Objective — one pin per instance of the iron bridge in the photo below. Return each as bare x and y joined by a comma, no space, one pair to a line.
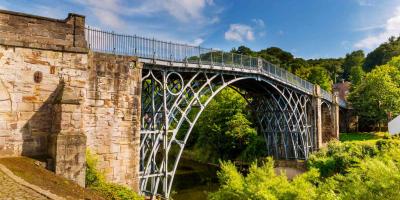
178,82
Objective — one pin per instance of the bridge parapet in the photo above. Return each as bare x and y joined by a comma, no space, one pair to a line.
152,49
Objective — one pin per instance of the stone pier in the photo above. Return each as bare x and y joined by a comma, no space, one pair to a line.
326,118
57,98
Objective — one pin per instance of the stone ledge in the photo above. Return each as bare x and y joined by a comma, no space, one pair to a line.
70,15
21,181
48,47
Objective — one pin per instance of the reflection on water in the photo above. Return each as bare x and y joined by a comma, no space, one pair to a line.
194,180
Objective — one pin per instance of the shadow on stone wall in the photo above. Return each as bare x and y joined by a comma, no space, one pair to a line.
39,127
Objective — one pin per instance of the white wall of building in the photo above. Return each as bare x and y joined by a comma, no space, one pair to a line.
394,126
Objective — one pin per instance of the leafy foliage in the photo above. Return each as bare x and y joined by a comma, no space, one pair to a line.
224,130
356,75
350,170
383,54
352,60
379,93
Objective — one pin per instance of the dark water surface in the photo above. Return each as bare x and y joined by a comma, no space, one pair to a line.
193,180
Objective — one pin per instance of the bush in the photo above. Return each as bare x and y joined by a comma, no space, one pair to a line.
350,170
96,181
262,183
339,157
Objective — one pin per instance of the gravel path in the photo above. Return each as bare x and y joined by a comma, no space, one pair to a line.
11,190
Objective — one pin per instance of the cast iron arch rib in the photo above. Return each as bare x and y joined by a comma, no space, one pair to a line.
168,103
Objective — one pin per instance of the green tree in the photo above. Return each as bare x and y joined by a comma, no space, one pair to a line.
356,75
276,56
352,60
383,54
243,50
333,67
319,75
224,130
298,64
379,93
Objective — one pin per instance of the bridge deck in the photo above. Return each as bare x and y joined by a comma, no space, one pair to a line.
152,51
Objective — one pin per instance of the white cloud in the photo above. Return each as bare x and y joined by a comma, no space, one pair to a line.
185,10
182,10
106,11
366,2
108,17
3,7
109,12
239,33
391,28
259,22
369,28
196,42
189,17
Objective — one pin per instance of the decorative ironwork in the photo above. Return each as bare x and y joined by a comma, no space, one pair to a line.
172,99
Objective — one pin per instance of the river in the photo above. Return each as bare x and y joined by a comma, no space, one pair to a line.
193,180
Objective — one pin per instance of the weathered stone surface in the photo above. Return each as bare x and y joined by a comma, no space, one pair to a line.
23,30
326,119
108,116
84,99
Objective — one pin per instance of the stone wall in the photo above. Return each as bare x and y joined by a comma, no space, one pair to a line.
26,111
327,123
326,118
111,115
24,30
57,98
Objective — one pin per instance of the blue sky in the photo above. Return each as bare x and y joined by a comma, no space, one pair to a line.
306,28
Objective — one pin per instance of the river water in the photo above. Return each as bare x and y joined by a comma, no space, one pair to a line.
193,180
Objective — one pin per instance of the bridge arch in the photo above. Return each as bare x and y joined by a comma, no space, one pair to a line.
327,120
171,98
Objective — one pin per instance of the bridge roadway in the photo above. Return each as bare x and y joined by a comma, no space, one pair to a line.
178,81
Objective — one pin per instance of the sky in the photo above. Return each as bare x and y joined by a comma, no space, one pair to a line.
306,28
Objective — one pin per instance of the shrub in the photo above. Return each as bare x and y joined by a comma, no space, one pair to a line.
93,177
262,183
96,181
350,170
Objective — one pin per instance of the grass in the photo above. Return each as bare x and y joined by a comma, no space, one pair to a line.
47,180
345,137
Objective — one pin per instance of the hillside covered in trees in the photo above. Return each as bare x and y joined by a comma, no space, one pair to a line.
227,131
327,71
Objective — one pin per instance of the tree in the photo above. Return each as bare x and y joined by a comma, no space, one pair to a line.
298,63
379,93
243,50
383,54
356,75
352,60
334,68
319,75
223,130
276,56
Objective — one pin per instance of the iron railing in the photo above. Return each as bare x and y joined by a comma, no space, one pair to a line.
110,42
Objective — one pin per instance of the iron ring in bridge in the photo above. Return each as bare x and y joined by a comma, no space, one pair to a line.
175,83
